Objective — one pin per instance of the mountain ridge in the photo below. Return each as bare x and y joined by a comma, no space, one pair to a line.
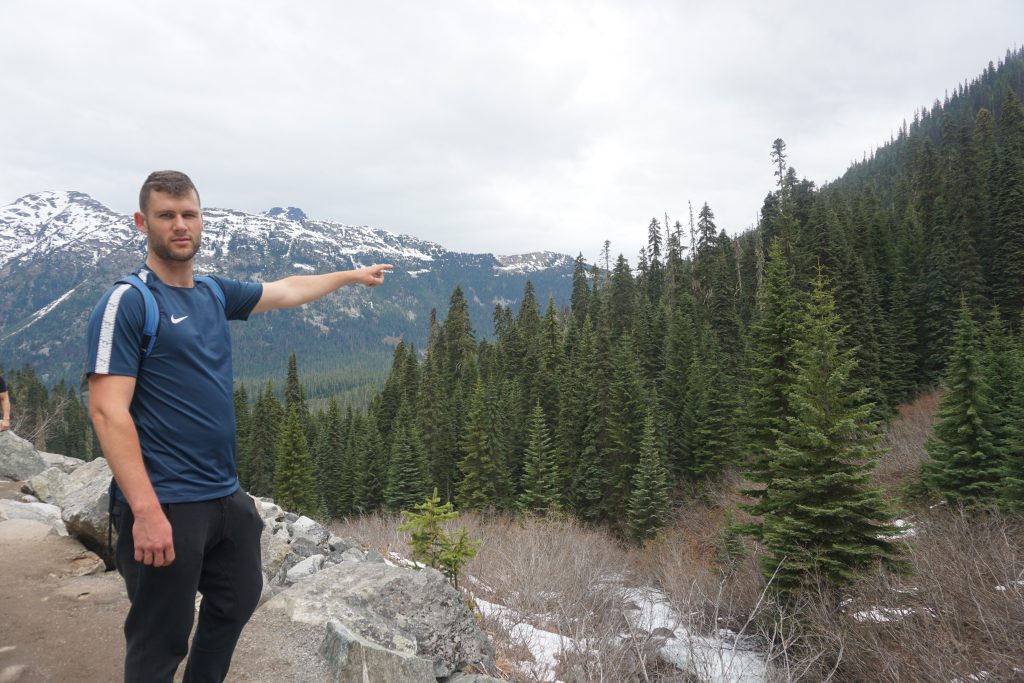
60,250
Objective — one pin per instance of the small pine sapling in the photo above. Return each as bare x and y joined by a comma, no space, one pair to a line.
434,546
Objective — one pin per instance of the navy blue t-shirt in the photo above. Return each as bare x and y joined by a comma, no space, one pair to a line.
182,407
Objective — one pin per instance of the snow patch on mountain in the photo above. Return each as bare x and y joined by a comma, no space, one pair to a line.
51,221
44,310
532,262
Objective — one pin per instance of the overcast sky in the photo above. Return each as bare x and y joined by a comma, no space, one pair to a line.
486,126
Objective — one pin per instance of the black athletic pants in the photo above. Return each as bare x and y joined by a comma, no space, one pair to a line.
217,552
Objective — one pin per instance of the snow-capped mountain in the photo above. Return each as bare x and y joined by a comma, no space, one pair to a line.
60,250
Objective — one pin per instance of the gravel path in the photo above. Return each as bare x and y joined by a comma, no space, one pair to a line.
59,627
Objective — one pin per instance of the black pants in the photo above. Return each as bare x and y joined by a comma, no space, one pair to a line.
217,552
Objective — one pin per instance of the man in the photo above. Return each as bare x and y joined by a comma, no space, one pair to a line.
166,424
5,404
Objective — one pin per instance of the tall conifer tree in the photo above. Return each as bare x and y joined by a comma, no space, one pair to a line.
649,502
243,425
541,486
485,482
267,417
294,487
822,518
406,475
965,465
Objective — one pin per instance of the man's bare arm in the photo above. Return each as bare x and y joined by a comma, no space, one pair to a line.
5,416
300,289
109,399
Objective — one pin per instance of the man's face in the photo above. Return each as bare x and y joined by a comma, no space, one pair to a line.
173,225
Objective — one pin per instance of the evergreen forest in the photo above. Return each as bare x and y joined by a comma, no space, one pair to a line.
778,353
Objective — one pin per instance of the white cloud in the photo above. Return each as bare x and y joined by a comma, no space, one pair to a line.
486,126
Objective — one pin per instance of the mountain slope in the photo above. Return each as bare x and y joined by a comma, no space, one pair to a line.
60,250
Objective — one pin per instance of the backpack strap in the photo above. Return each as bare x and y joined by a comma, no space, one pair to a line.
152,312
214,286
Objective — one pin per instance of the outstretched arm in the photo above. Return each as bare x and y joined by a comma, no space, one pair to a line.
300,289
109,399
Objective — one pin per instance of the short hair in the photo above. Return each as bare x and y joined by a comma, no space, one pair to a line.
174,183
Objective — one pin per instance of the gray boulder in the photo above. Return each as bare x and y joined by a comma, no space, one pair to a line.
269,511
62,462
273,549
86,507
394,623
19,460
38,512
310,530
303,547
50,486
306,568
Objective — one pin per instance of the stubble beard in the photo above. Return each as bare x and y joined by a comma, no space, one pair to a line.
164,252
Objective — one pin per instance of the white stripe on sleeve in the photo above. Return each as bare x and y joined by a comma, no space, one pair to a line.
106,342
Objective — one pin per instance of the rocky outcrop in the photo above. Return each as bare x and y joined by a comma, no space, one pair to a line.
18,459
394,623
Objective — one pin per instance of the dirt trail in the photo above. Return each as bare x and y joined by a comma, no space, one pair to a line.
56,627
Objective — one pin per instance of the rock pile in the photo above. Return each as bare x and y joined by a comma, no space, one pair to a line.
366,619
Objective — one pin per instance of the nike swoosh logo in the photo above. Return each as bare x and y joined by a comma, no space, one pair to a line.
175,320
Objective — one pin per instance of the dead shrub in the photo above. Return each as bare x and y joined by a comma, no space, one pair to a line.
957,614
904,442
378,530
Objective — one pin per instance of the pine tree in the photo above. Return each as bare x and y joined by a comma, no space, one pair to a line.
458,375
370,464
484,470
580,299
590,473
295,395
710,419
673,389
243,441
654,283
625,428
331,456
1009,215
772,367
391,394
407,476
435,427
541,486
550,379
294,487
965,465
575,403
267,416
622,299
823,521
649,503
